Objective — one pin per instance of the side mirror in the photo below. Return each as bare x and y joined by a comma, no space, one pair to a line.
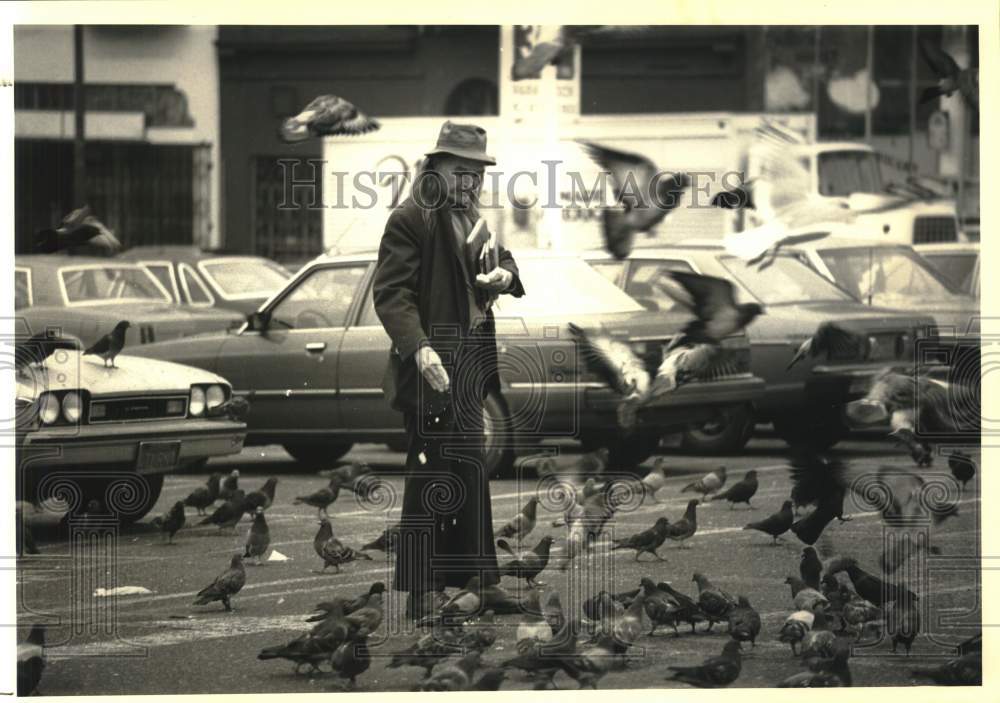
257,321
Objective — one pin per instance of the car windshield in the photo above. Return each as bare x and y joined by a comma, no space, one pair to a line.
887,276
112,283
787,280
245,278
558,285
958,267
844,172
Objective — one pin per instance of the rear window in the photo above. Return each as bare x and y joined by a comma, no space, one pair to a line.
95,285
245,278
887,276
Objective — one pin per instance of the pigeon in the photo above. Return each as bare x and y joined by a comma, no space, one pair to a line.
966,670
824,482
741,491
647,541
686,526
171,521
714,672
962,467
776,524
499,600
644,196
832,338
521,524
258,537
628,627
225,585
385,542
654,480
427,651
347,605
227,514
31,661
709,483
688,610
602,606
661,607
466,603
819,642
533,627
369,616
810,567
715,603
352,658
824,673
552,611
260,498
490,680
902,621
950,76
735,198
78,233
348,474
204,496
452,674
618,366
110,345
588,666
527,565
303,650
39,347
324,116
859,615
795,628
237,408
321,499
744,622
230,484
805,598
543,657
713,302
838,595
688,362
331,550
871,588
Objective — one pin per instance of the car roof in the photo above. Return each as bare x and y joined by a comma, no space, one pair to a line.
660,249
55,261
371,254
972,247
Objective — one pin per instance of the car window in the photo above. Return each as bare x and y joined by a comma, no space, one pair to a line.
321,299
96,285
197,291
786,280
245,278
611,270
162,274
557,286
369,317
22,289
886,276
958,268
647,279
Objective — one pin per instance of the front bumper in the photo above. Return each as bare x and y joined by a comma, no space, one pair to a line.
118,444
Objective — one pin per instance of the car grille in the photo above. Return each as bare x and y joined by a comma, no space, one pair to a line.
934,229
134,409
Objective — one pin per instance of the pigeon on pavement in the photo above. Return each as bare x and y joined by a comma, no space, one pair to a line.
714,672
352,658
227,514
744,622
688,609
225,586
660,606
655,479
966,670
810,567
823,673
805,598
819,642
870,587
709,483
776,524
385,542
261,498
902,621
321,499
230,484
204,496
962,467
171,521
326,115
466,603
110,345
685,527
527,565
521,524
647,541
795,628
452,674
741,491
331,550
715,603
258,537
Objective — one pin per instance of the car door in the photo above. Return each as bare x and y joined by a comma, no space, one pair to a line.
291,366
362,364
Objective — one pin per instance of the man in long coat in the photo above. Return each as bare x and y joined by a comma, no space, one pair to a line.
436,309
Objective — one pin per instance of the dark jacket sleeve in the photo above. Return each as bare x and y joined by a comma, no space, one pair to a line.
507,261
396,285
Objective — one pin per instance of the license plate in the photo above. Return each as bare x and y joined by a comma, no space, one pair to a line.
156,457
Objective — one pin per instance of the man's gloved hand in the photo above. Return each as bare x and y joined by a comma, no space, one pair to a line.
430,366
496,281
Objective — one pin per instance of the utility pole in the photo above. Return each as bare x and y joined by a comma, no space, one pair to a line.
79,112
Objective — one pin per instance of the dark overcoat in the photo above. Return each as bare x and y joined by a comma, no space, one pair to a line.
420,297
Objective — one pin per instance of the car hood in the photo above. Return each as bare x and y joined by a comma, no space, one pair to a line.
639,324
133,375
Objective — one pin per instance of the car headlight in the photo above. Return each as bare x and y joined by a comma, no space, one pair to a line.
72,407
214,396
196,406
49,408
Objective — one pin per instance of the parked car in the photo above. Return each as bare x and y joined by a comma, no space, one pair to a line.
95,425
315,355
893,276
956,261
206,279
804,402
86,297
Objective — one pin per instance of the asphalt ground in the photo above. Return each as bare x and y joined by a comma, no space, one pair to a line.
158,643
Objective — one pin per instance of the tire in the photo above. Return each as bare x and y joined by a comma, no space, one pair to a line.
499,456
818,431
728,433
317,454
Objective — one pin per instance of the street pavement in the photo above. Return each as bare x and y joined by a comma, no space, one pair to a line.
159,643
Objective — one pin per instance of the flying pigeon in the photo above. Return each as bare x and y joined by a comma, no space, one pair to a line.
644,195
326,115
79,233
225,586
950,76
713,302
962,467
832,338
110,345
